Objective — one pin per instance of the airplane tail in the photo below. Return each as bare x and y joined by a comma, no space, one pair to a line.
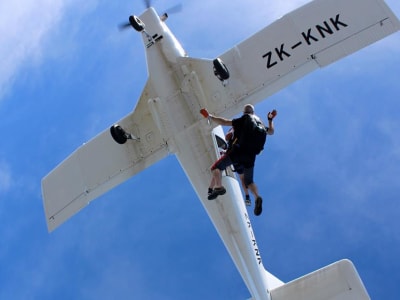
338,281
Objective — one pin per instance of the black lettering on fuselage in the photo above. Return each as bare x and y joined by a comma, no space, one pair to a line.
255,247
258,256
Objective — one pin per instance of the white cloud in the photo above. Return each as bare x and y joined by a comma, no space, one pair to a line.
23,27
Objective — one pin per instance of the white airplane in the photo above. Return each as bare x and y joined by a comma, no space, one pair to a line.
166,120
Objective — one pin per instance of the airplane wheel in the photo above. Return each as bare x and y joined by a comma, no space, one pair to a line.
220,70
136,23
118,134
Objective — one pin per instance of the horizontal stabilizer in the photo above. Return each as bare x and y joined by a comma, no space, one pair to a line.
338,281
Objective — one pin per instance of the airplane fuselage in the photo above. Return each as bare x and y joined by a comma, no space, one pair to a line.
176,111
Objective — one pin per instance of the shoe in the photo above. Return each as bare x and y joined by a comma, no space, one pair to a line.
247,201
258,206
216,192
210,191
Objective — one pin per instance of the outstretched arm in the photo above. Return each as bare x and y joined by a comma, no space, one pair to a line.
221,121
218,120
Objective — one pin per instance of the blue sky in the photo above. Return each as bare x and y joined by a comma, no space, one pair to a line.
329,175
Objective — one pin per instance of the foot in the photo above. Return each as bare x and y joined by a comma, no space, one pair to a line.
216,192
258,206
247,201
210,191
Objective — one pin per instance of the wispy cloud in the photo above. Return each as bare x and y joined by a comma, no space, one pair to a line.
23,26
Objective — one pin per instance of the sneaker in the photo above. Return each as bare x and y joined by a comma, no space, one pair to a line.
216,192
247,201
258,206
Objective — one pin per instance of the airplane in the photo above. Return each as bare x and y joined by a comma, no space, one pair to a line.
167,121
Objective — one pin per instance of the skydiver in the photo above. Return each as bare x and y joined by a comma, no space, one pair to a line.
238,154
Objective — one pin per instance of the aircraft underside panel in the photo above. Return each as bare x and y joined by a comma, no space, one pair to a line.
310,37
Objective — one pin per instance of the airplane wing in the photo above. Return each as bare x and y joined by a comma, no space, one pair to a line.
315,35
100,164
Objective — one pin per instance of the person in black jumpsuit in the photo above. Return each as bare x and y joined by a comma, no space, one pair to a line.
238,155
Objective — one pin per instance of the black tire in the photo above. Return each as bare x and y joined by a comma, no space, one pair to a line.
220,70
118,134
136,23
